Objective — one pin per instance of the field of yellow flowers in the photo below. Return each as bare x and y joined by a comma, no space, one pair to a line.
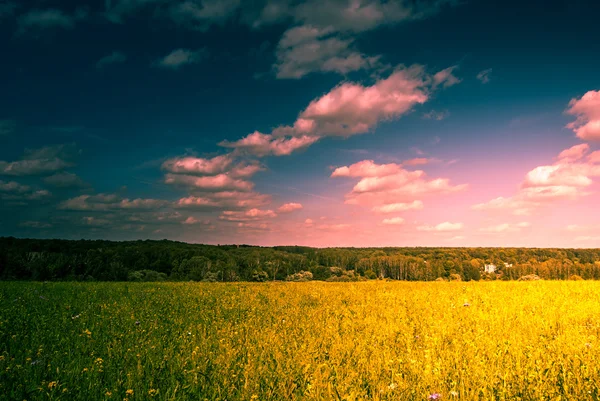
300,341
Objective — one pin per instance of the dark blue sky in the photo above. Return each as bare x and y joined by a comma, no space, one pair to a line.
99,102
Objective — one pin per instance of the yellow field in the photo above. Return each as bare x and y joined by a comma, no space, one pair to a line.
295,341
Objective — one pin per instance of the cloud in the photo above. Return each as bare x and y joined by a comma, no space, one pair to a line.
35,224
506,227
65,180
16,192
333,227
568,178
224,200
200,15
217,183
216,174
192,220
49,19
587,111
305,49
42,161
260,145
442,227
247,215
436,115
348,109
393,221
180,57
367,168
198,165
398,207
389,184
418,161
485,76
110,202
113,58
7,127
574,153
289,207
446,77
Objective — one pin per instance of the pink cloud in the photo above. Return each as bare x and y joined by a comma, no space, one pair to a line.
367,168
218,182
198,165
192,220
587,110
390,184
333,227
393,221
289,207
417,161
348,109
442,227
574,153
506,227
398,207
446,77
224,199
247,215
568,178
259,144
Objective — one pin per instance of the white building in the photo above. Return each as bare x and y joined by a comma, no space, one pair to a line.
489,268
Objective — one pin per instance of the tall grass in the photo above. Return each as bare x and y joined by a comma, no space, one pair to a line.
297,341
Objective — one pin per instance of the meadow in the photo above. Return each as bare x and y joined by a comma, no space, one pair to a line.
300,341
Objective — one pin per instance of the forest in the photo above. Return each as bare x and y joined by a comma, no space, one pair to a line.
146,260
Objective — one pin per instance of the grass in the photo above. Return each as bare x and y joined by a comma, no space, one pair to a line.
300,341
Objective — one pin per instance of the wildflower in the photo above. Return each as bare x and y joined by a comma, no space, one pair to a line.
129,392
1,357
152,392
254,397
108,393
74,317
137,322
99,361
392,386
434,396
454,393
51,385
86,331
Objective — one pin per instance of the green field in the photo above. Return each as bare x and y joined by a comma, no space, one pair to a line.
284,341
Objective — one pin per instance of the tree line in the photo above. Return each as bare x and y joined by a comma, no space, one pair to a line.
99,260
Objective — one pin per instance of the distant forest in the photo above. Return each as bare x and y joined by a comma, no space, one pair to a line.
85,260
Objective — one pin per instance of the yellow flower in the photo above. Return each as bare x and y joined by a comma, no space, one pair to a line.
129,392
152,392
108,393
86,331
51,385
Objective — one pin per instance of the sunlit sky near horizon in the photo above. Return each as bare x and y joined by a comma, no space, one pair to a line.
320,123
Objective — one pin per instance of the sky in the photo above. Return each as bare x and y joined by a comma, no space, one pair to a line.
319,123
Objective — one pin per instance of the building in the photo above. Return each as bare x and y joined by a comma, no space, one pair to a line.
489,268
